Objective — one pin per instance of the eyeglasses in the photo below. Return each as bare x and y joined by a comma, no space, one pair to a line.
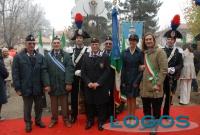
56,42
30,43
108,43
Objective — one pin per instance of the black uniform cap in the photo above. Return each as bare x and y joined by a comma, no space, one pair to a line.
30,38
94,40
108,38
56,38
133,37
81,33
173,34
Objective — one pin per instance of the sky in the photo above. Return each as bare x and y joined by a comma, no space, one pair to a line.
58,12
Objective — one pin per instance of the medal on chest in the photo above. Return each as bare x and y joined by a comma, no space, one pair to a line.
102,65
62,59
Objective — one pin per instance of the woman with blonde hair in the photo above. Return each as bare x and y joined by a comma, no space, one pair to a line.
155,70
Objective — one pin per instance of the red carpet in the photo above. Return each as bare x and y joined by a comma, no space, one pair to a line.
16,127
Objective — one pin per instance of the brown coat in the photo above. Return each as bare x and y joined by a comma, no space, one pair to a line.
158,58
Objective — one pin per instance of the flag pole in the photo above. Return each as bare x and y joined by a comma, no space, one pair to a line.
114,95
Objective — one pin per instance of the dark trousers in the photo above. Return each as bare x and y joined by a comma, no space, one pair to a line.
152,106
28,102
194,83
64,107
168,91
100,110
77,85
111,85
110,105
168,101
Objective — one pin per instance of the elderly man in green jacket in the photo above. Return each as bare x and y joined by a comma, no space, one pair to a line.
61,71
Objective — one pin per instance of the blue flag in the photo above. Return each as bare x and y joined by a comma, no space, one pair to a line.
116,62
115,54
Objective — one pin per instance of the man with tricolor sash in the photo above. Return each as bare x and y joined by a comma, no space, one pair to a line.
60,77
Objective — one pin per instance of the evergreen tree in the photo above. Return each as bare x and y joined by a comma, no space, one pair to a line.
143,10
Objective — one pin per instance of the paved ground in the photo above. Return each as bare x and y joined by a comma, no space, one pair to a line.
14,107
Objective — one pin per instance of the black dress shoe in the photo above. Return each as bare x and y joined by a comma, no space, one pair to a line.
89,125
120,108
154,130
40,124
28,128
100,127
67,123
52,124
152,133
73,119
182,104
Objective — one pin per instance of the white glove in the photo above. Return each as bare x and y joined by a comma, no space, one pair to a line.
78,73
171,70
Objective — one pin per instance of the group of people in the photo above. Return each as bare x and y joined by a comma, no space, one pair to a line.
150,72
154,73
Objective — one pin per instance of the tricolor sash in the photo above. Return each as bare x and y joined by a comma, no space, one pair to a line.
57,62
153,74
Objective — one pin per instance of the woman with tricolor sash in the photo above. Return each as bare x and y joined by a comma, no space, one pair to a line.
155,70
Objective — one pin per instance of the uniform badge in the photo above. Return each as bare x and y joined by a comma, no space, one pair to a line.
173,34
80,32
101,65
31,38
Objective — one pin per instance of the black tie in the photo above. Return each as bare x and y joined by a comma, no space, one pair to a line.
171,48
32,59
108,52
95,56
56,54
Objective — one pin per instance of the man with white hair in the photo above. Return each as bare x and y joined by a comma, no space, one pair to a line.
8,60
29,72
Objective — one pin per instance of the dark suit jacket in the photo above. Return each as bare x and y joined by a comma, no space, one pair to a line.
130,69
3,74
27,79
96,69
57,78
176,61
